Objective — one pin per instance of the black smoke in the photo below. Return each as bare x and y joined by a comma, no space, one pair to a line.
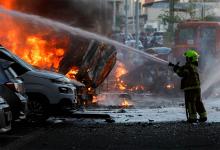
92,15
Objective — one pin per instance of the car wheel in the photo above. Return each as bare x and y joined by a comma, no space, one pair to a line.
37,110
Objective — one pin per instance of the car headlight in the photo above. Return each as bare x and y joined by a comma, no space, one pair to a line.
61,80
65,90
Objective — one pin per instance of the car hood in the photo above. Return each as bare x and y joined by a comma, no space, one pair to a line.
45,74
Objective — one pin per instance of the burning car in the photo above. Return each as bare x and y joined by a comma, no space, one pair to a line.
12,90
45,89
90,66
5,116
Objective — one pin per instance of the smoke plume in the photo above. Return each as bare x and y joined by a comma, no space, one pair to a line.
90,15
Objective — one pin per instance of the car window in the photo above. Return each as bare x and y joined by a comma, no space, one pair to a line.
186,34
13,73
20,66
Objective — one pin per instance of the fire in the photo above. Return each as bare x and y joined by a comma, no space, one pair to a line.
72,73
137,88
39,55
41,46
125,103
95,100
120,70
7,3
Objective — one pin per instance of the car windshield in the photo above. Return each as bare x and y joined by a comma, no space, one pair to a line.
19,60
186,34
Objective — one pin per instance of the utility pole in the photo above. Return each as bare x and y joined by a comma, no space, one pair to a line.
133,14
171,11
114,16
137,23
203,10
126,20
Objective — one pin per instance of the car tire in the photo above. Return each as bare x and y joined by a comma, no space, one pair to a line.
38,109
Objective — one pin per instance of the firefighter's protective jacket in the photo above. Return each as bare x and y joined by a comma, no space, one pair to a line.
190,76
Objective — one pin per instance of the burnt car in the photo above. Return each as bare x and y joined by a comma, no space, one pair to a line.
95,60
5,116
12,90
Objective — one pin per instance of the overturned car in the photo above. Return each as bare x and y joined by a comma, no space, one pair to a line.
94,62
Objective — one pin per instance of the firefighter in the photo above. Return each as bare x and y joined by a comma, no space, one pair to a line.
190,83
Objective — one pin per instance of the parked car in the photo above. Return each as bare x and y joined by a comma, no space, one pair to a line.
129,41
46,90
12,90
161,52
5,116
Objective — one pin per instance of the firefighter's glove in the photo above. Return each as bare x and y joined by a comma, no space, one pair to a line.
171,64
176,67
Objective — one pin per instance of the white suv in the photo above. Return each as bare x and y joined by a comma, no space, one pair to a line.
45,89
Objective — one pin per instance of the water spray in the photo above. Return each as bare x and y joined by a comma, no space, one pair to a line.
78,32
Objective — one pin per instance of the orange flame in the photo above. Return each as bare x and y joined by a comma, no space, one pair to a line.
125,103
95,99
120,70
72,73
39,45
7,3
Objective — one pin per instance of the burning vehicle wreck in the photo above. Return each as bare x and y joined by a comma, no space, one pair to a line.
91,66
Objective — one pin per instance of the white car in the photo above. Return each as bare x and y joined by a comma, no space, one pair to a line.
5,116
46,90
129,41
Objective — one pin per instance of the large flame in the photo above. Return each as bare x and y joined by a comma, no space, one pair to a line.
39,45
7,3
120,70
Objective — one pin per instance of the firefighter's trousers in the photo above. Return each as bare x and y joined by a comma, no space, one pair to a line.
194,104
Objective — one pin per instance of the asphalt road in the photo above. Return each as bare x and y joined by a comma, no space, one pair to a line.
81,135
